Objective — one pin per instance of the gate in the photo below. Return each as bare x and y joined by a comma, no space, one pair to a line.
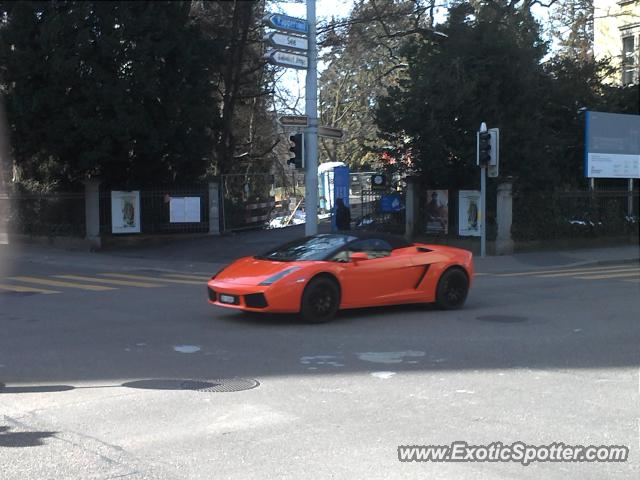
379,210
262,200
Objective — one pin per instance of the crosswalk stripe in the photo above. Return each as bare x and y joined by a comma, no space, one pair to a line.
156,279
201,278
21,288
126,283
577,274
562,270
58,283
613,275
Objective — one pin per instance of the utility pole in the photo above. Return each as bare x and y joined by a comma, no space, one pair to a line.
483,196
311,132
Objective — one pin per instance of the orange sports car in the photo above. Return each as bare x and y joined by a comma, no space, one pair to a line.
318,275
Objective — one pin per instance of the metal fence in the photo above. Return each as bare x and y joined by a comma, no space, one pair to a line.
369,211
155,209
56,214
574,214
247,200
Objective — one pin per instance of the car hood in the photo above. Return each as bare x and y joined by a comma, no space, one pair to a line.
252,271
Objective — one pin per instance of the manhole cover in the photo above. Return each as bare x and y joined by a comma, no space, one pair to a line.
217,385
502,318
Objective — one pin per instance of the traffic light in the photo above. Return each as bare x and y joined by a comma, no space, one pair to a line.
484,148
297,148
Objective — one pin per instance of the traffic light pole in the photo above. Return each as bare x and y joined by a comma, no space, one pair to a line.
482,161
311,133
483,211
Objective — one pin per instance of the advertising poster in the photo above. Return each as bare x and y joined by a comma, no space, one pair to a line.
437,212
469,213
125,212
184,210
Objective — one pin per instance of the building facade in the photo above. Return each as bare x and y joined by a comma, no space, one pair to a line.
616,36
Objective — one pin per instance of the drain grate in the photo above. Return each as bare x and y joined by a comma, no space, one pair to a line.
216,385
220,385
502,318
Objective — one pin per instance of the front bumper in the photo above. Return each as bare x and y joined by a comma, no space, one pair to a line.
254,298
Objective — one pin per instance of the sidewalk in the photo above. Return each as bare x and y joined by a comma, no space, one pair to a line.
558,258
207,254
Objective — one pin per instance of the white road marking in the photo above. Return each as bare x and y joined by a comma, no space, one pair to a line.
611,275
383,375
186,348
331,360
389,357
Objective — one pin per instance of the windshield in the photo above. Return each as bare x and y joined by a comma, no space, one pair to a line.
318,247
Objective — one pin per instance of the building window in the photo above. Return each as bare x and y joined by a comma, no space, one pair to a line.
629,61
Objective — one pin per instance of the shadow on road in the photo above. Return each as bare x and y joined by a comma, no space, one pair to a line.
10,439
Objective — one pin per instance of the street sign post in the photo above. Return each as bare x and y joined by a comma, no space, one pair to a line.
287,42
293,120
483,196
330,132
311,132
286,23
287,59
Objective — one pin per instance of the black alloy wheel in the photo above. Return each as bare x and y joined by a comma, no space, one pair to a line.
320,300
453,288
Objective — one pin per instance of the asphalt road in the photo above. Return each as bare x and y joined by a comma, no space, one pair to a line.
97,382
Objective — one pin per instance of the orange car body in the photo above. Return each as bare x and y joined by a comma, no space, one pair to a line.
407,275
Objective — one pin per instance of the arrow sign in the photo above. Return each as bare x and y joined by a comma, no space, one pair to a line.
286,59
330,132
286,23
290,42
294,120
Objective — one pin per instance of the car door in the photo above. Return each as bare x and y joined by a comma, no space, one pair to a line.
378,280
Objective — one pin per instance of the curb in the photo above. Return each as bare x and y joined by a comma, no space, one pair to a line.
585,263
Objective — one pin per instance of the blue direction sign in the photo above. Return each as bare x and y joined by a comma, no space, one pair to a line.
286,23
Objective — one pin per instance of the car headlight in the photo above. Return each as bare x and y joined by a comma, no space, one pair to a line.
278,276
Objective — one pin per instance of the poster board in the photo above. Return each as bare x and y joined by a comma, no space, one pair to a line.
469,213
437,212
184,210
125,211
612,145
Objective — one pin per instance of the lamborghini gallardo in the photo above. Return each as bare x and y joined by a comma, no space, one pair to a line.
318,275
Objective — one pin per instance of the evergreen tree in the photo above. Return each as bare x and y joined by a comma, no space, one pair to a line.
488,69
116,90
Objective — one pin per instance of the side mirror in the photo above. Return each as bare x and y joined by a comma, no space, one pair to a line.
359,256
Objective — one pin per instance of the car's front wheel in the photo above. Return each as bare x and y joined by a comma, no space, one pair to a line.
453,288
320,300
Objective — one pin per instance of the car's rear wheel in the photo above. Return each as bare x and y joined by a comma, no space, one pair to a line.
320,300
452,290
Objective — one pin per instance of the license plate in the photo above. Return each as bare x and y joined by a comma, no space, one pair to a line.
227,299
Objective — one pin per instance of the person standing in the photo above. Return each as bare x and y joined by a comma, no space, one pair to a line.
343,215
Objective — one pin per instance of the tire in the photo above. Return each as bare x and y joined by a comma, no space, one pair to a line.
452,290
320,300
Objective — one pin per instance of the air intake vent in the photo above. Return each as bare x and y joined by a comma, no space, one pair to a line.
255,300
212,295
